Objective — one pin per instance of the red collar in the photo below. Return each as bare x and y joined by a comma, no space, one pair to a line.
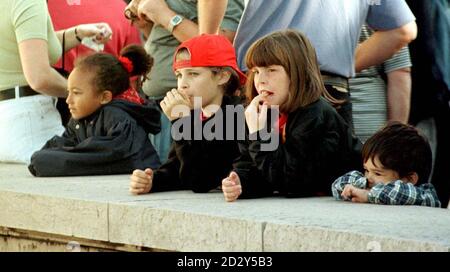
130,95
281,122
203,117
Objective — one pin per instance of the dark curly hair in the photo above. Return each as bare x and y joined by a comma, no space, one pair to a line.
110,74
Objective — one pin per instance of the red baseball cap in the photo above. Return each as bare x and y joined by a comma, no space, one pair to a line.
208,50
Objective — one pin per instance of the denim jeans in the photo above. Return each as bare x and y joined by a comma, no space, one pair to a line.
163,140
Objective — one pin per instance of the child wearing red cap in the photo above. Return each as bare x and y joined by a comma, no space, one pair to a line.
208,79
315,145
110,123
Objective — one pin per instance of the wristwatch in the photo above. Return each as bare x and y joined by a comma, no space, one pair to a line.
176,20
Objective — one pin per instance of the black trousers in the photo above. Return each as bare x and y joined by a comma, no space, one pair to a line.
441,173
345,109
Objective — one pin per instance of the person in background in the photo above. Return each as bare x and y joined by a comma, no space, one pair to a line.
381,93
430,97
66,14
333,28
27,80
144,26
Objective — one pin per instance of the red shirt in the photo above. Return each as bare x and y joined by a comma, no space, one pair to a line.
66,13
281,125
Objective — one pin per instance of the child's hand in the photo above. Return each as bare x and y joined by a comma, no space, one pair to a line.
175,98
256,114
231,187
354,194
141,181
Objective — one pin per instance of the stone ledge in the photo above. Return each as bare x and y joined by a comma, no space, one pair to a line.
101,209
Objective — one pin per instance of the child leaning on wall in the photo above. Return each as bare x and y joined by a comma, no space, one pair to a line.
206,71
397,164
314,143
109,125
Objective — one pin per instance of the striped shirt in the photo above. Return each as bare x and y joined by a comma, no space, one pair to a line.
393,193
368,91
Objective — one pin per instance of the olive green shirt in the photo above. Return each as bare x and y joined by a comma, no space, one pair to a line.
161,44
22,20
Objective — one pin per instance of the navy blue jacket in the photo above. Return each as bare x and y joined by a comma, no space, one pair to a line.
113,140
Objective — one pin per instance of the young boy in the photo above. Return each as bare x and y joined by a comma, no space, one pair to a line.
206,69
397,164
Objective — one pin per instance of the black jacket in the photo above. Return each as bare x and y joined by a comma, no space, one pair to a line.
113,140
430,74
319,148
199,165
430,56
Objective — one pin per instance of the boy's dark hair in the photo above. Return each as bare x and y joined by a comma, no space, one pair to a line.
110,74
401,148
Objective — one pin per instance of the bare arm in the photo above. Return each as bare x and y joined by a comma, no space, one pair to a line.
145,25
158,12
382,45
210,15
37,70
399,95
70,39
102,31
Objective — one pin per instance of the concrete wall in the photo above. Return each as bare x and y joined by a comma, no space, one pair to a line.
45,214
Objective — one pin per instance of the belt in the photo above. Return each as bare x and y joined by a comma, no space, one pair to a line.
335,80
17,92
